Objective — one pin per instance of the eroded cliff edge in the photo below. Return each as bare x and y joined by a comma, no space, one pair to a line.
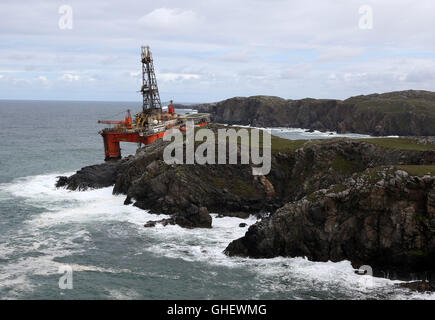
401,113
383,217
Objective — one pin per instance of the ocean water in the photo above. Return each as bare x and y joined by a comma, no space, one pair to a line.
110,253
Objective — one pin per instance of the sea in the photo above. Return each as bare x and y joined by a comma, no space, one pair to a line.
61,244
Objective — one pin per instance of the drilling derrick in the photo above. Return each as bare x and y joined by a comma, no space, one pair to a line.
150,91
151,123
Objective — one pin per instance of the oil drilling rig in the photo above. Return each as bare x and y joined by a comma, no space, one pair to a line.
152,122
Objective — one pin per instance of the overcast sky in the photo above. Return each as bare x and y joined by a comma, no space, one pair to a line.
210,50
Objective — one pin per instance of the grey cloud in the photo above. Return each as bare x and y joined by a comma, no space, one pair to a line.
225,43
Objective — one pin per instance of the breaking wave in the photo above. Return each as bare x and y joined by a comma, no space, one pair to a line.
59,225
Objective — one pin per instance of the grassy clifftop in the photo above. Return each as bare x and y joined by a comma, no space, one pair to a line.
402,113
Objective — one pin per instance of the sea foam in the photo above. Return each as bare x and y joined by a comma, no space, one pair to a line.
81,209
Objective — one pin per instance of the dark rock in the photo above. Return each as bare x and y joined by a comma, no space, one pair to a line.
62,181
93,177
368,220
242,225
128,201
150,224
164,222
194,218
231,190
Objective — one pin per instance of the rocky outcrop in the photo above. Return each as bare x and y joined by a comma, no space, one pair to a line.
194,217
91,177
318,165
178,190
382,217
402,113
366,201
231,190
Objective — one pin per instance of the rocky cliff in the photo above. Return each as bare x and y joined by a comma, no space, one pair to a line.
397,113
298,169
383,217
369,200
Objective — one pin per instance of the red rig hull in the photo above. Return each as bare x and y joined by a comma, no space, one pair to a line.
112,139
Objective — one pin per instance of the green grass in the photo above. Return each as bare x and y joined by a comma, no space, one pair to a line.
397,106
419,171
417,253
399,143
237,186
413,170
285,145
338,188
278,144
371,174
345,166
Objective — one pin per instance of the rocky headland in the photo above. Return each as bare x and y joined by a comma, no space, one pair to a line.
401,113
370,201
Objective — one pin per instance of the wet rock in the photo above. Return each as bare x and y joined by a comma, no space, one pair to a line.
127,201
242,225
62,181
380,226
91,177
150,224
194,217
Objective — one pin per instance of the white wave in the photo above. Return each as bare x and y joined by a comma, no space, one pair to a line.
304,134
123,294
272,275
38,238
81,209
73,206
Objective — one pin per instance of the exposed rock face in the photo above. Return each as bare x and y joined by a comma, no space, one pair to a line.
397,113
232,190
382,218
317,166
91,177
187,192
182,189
323,201
193,218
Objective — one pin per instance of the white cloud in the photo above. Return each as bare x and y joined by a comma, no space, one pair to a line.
339,52
177,76
237,57
286,48
170,19
69,77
